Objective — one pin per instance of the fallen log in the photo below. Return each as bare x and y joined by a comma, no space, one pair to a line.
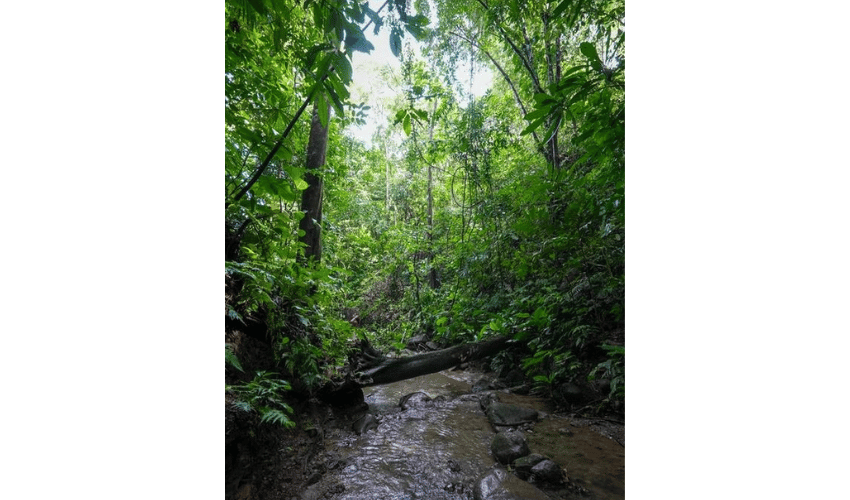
394,370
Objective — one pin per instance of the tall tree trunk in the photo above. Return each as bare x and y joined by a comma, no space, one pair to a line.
311,198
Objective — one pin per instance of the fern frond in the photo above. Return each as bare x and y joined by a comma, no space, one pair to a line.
230,358
242,405
276,417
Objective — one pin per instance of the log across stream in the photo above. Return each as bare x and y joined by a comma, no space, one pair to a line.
440,449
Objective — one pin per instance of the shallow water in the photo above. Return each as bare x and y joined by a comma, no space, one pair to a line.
437,450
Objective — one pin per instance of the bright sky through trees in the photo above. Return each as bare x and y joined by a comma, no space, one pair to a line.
370,83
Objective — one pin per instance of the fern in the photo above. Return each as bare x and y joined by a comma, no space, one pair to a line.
278,417
263,395
231,359
614,369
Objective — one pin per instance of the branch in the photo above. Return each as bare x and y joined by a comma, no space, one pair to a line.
504,74
516,50
262,166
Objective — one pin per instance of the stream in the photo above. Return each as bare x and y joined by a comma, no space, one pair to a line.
440,449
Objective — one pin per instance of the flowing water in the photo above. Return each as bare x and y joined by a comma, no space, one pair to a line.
437,450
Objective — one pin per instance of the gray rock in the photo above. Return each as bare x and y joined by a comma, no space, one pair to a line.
510,415
548,471
499,485
413,399
523,465
432,345
483,384
486,399
509,446
365,423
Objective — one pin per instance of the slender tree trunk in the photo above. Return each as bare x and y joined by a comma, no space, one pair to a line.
433,282
311,198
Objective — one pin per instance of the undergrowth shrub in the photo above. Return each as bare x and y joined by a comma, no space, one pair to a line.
264,395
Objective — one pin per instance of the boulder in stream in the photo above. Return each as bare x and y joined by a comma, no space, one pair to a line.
523,465
510,415
548,471
509,446
483,384
486,399
365,423
499,485
413,399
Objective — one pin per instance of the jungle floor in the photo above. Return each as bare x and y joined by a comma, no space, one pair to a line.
266,462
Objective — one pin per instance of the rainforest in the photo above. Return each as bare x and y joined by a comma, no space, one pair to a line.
447,222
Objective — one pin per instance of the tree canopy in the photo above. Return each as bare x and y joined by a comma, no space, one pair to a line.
466,218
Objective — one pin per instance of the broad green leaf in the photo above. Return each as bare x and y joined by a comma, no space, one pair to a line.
592,56
399,116
342,66
406,124
538,113
300,183
542,99
416,26
322,106
335,100
356,12
258,6
359,44
561,8
533,126
395,43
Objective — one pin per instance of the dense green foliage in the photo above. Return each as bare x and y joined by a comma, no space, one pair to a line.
466,217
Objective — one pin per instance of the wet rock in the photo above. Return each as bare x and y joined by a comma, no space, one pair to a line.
499,485
483,384
523,465
548,471
413,399
564,431
509,446
510,415
432,345
486,399
365,423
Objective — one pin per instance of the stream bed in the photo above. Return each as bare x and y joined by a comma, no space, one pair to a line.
440,449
